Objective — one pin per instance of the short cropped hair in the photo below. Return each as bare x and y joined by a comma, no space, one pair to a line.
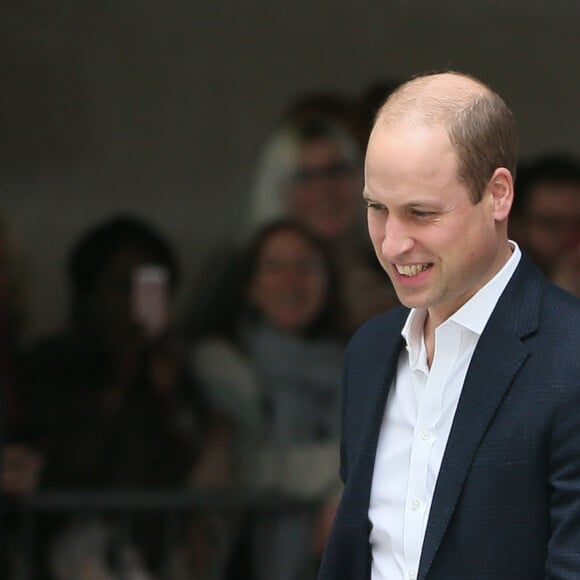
480,125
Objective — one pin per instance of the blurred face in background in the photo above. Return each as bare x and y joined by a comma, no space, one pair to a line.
551,224
325,190
290,282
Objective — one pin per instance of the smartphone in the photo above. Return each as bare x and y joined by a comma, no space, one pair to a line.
150,299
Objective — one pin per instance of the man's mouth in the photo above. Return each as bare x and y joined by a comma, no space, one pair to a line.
411,270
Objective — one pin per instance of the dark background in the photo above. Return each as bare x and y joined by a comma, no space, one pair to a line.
160,107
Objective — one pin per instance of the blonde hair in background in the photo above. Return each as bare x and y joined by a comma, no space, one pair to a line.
280,159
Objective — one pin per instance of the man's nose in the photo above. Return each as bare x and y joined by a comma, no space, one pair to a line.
397,238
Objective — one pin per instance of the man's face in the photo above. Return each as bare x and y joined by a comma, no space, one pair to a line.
324,193
552,222
437,247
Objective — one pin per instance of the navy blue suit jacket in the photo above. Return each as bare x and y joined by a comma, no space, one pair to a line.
507,500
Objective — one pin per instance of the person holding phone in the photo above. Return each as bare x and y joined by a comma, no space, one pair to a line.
112,395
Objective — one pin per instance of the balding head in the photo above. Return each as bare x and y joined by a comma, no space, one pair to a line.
479,124
431,99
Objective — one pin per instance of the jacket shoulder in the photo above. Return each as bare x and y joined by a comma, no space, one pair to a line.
559,327
563,306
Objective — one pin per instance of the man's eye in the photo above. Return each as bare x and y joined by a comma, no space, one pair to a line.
423,213
374,205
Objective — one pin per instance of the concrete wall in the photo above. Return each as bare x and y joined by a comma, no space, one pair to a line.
161,107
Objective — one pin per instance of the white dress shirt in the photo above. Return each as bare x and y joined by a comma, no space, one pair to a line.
419,412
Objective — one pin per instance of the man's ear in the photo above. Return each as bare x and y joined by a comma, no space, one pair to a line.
501,189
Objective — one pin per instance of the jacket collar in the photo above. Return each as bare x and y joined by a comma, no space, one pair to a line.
515,316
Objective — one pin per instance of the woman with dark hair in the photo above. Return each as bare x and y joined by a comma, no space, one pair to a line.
274,368
310,171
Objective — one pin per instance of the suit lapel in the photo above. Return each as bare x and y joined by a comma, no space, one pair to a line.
499,355
377,390
372,384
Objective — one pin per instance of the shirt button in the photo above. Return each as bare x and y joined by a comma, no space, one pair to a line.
426,434
413,575
415,504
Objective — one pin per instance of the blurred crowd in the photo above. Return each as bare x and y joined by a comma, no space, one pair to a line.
241,394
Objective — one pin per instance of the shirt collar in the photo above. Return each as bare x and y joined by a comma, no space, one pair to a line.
473,315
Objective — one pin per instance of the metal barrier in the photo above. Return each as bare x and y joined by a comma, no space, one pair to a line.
125,504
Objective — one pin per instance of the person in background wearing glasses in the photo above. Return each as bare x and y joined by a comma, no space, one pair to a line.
310,171
546,216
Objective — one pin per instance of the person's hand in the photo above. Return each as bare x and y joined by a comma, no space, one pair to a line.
323,525
160,361
19,470
214,469
165,365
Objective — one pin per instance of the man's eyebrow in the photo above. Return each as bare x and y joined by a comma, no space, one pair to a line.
421,203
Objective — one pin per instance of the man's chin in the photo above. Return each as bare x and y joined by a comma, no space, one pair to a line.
412,301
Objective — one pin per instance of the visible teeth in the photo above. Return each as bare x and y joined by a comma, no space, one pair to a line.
411,270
